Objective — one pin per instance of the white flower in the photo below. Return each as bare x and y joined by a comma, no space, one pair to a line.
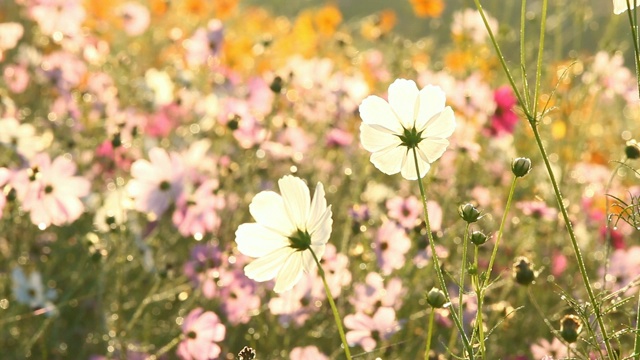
620,6
28,289
287,228
411,120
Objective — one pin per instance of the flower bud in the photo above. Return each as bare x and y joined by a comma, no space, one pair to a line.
276,85
436,298
523,271
570,328
632,150
469,213
521,166
478,238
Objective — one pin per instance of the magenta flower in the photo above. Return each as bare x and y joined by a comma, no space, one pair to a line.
239,298
206,268
366,331
156,183
504,119
202,330
392,243
50,191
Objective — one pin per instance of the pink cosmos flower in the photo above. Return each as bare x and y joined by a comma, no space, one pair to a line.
624,267
64,16
406,211
239,298
554,349
156,183
338,138
64,69
504,120
135,18
206,268
50,191
392,243
204,43
336,268
197,214
537,210
298,304
202,330
362,327
16,77
373,293
307,353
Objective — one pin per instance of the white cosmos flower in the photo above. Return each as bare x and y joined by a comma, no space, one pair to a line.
620,6
287,227
411,119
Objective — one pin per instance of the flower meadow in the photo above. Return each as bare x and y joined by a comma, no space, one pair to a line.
220,180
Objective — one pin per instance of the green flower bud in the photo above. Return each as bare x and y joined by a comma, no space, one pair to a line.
523,271
469,213
436,298
570,328
478,238
276,85
521,166
632,150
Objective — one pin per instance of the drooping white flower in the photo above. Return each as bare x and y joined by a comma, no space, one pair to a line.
620,6
411,119
287,228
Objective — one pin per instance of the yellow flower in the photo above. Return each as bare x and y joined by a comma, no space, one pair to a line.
327,20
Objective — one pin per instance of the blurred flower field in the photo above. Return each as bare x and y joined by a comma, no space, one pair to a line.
221,180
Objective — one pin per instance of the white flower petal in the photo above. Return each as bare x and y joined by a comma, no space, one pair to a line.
431,100
290,273
620,6
255,240
441,125
389,160
375,111
267,207
430,150
295,194
267,267
409,167
307,260
321,230
375,138
403,98
318,209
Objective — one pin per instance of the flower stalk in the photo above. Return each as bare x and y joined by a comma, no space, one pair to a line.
533,119
436,263
334,309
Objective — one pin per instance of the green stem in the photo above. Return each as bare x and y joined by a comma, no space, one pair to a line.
500,231
336,315
634,33
465,243
523,65
427,349
574,243
436,262
536,90
636,342
480,297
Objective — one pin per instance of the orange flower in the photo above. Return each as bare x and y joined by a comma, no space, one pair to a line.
327,20
159,7
428,8
378,25
224,8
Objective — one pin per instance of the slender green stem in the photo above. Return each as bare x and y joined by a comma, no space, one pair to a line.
336,315
574,243
636,342
500,231
436,263
523,65
633,22
501,57
607,236
480,287
427,349
142,306
463,268
536,89
166,348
